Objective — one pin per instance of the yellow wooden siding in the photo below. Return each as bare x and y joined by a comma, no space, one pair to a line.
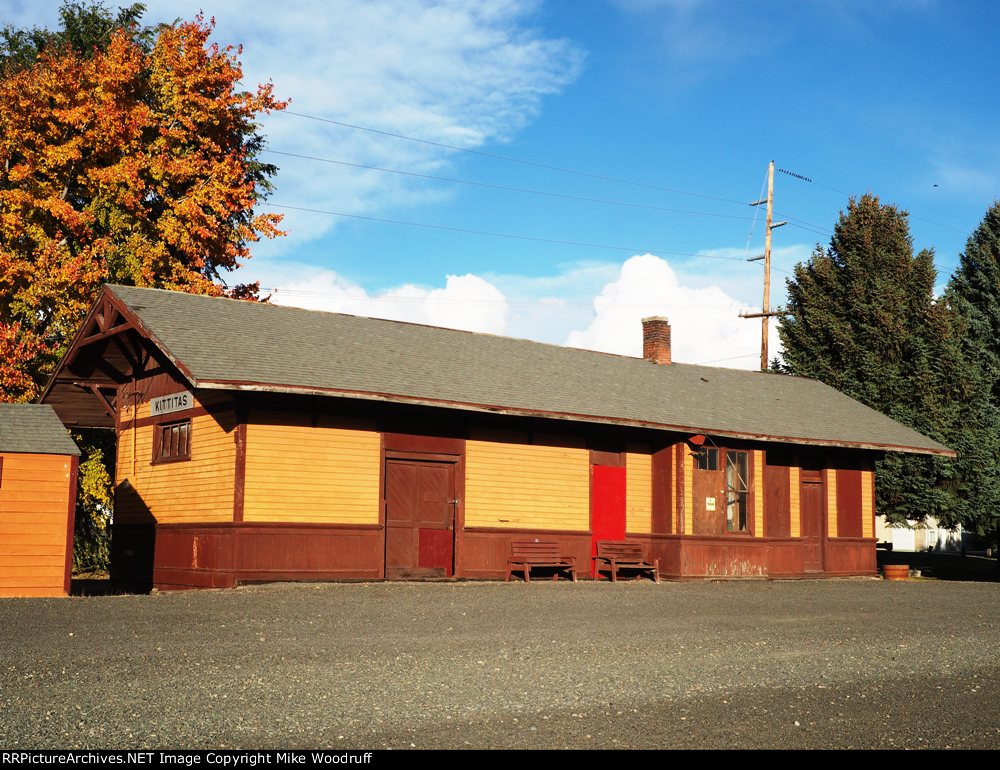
34,506
296,472
795,520
758,494
638,492
688,490
830,477
867,507
526,486
195,490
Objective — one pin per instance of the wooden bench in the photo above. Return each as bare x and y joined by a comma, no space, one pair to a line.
526,555
616,555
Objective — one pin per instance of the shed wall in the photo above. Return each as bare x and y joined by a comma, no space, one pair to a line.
35,500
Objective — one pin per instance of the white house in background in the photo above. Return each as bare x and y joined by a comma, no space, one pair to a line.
919,536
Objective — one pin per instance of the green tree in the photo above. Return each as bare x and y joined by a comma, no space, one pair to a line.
129,155
83,29
974,295
863,318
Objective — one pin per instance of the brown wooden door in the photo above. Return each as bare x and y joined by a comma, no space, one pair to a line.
811,518
708,493
419,519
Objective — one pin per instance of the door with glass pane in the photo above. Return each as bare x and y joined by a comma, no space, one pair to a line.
737,491
721,491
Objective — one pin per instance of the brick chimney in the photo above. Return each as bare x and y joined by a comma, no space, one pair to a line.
656,339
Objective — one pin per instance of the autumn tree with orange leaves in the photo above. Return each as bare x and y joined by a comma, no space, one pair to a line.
128,154
132,159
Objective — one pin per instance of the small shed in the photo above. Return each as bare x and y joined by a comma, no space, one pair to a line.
38,467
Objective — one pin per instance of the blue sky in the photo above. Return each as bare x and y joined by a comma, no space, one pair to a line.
686,99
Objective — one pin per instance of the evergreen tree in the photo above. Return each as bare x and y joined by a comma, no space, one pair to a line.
974,295
863,319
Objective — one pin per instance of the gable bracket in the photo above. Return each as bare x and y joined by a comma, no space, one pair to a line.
95,389
124,327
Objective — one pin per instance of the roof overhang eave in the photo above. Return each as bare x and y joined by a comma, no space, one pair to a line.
262,387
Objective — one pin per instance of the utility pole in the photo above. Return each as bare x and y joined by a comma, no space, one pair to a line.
765,309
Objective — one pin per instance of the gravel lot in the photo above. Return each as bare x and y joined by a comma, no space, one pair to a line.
842,663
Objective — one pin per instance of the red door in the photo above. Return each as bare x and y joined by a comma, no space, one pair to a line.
419,519
811,517
607,504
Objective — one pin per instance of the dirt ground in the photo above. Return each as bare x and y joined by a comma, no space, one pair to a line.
840,663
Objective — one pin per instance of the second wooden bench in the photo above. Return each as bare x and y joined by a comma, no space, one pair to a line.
616,555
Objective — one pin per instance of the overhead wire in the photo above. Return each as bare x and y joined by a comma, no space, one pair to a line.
801,224
844,192
513,236
793,221
756,214
508,188
731,358
577,305
512,159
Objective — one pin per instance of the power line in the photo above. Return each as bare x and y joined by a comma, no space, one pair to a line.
813,181
815,229
756,212
720,360
579,172
939,224
447,300
844,192
513,236
803,224
809,229
511,159
509,188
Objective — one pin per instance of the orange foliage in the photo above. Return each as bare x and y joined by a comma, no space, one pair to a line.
125,166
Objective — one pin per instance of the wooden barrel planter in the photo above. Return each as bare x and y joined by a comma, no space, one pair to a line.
896,572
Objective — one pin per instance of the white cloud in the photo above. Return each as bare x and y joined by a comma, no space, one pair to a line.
705,321
459,73
741,280
466,301
549,307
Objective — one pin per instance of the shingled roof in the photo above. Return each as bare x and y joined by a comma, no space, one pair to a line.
235,345
33,429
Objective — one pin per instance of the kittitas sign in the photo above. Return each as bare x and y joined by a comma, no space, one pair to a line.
175,402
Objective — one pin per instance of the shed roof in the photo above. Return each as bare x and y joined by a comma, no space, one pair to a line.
34,429
232,344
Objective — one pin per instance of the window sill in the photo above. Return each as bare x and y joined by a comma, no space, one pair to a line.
169,460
